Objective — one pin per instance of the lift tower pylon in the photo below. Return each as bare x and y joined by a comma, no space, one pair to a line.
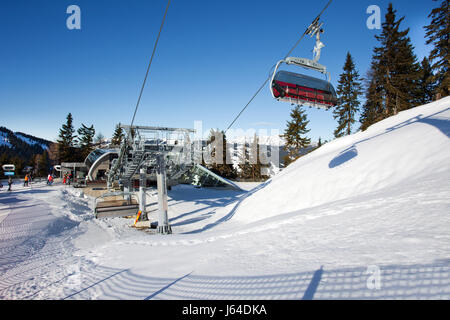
163,220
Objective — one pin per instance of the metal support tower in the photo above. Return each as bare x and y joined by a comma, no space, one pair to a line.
152,153
163,220
142,194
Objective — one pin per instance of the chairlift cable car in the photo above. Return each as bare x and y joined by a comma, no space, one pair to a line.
307,31
300,89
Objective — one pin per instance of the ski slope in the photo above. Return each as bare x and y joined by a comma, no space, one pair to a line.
410,146
375,203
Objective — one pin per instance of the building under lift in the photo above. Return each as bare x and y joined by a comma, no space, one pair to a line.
149,155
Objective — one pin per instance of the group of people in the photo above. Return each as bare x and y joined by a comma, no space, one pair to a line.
10,182
28,178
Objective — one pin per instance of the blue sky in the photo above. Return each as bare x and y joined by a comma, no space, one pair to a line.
212,57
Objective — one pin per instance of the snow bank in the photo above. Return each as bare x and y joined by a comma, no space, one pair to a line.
406,147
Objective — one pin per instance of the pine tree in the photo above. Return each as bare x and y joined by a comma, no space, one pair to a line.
372,110
397,67
98,141
118,136
42,164
217,148
392,84
262,165
438,34
349,90
294,134
244,162
4,159
426,83
251,165
66,140
86,140
53,153
19,164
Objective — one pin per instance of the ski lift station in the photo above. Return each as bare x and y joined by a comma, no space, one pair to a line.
148,156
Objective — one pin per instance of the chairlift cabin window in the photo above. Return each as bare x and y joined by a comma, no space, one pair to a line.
303,90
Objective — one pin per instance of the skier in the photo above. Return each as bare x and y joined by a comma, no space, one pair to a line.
10,183
25,182
49,179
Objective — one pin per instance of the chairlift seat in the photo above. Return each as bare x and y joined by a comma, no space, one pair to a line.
303,90
116,208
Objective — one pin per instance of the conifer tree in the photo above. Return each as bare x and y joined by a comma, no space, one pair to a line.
118,136
4,159
252,165
426,83
42,164
372,110
262,165
244,162
295,134
86,140
98,141
349,90
53,153
66,140
393,80
19,164
438,34
217,149
397,67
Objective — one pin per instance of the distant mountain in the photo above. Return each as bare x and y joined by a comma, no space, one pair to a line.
19,145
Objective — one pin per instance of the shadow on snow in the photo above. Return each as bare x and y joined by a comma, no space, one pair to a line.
442,124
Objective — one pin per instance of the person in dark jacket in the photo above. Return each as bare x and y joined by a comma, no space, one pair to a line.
10,183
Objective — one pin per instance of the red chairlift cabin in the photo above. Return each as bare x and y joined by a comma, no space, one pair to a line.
301,89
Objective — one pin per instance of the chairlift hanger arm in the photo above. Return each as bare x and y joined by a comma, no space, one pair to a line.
306,63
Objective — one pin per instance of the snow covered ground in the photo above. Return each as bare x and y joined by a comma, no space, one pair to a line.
363,217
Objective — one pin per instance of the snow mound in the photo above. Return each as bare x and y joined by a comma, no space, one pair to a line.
407,147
